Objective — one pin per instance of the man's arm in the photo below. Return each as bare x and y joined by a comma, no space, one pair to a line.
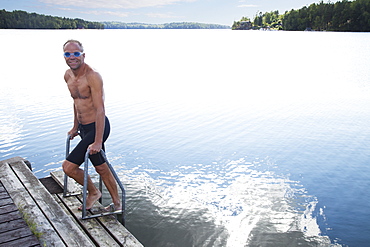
97,93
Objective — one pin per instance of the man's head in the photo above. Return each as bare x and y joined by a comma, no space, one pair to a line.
73,54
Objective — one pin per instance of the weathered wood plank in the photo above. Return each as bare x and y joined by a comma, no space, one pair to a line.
15,234
60,221
11,216
97,232
8,208
72,186
3,194
13,224
120,232
24,201
6,201
28,241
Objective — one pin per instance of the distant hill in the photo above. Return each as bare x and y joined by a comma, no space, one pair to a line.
18,19
173,25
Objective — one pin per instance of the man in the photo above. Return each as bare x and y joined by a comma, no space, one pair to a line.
90,122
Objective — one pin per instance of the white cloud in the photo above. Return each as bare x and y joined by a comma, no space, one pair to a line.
110,13
113,4
247,6
98,12
66,9
161,15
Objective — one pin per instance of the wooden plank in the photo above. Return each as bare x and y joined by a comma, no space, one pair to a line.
22,242
8,208
97,232
3,194
13,224
6,201
15,234
60,221
72,186
120,232
11,216
23,200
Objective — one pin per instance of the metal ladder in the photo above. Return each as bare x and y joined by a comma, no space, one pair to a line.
84,191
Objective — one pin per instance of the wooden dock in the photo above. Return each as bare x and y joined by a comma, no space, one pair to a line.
25,204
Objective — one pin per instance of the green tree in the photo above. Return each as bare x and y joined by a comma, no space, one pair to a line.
340,16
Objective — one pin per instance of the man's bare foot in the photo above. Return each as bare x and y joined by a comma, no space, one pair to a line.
90,200
113,207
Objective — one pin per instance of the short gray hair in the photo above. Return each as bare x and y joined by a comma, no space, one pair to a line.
74,41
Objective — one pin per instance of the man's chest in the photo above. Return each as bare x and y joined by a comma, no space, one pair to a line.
79,88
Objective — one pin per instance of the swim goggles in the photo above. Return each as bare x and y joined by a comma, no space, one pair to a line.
76,54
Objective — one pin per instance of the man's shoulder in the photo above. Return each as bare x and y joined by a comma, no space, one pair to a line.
92,74
67,74
68,71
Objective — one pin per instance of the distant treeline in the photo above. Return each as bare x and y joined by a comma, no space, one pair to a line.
23,20
351,16
174,25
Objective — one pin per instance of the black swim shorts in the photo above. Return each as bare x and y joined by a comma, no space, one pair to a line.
87,134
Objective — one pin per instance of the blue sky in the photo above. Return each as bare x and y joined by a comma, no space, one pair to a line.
155,11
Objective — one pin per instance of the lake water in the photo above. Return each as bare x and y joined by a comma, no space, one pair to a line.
222,138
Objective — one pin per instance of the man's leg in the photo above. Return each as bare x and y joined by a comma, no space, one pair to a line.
110,183
73,171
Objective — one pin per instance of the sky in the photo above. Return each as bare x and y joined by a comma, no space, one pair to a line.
223,12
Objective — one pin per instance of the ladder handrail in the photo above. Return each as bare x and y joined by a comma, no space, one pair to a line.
68,145
120,185
84,192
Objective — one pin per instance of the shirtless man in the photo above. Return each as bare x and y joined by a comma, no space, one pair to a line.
90,122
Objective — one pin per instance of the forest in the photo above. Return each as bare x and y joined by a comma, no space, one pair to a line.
23,20
345,16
